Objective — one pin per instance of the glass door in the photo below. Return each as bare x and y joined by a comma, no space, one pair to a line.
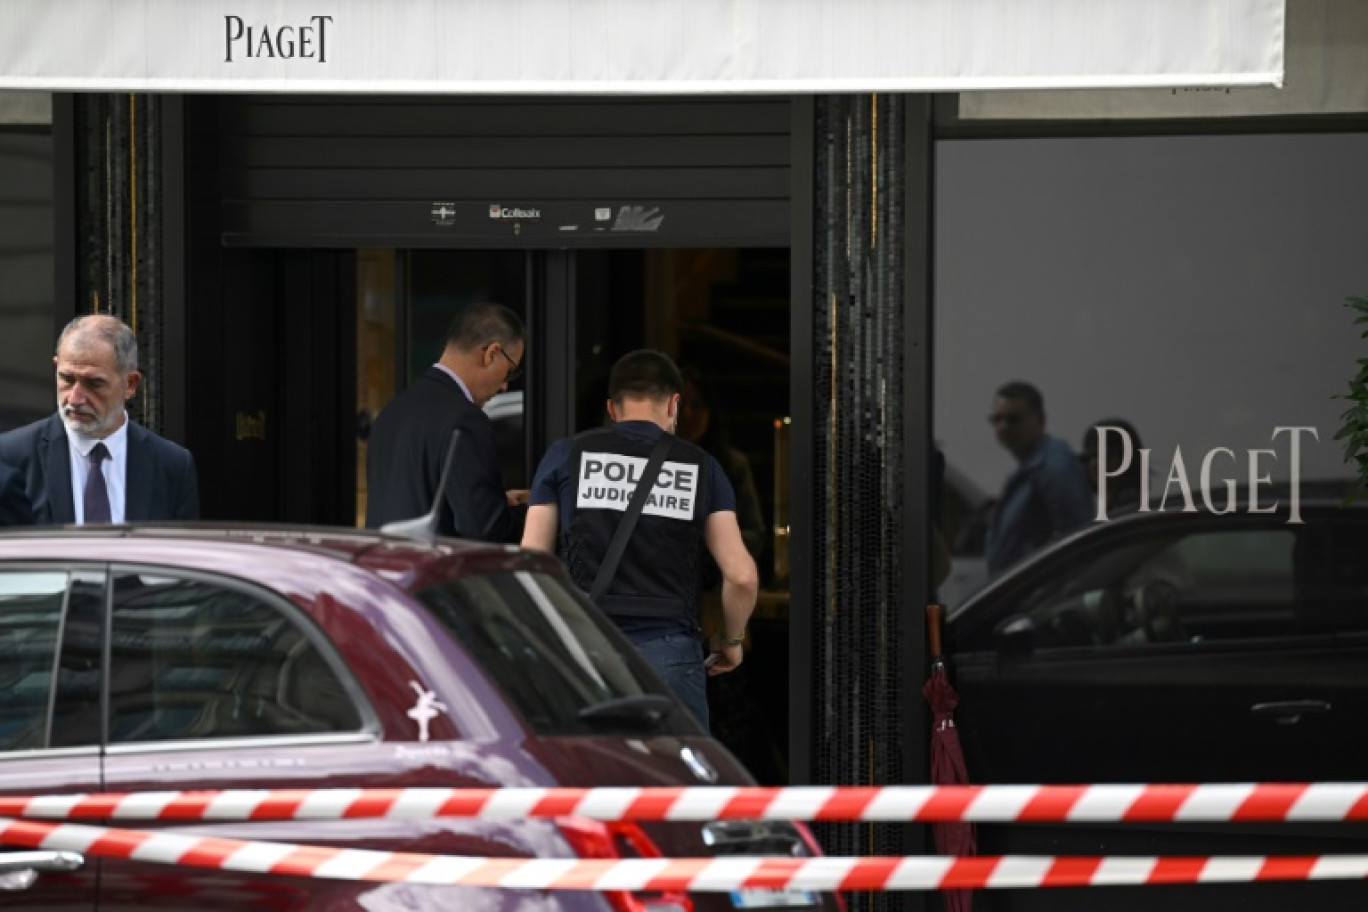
722,313
405,301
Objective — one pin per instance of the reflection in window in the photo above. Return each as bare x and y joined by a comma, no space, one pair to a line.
1332,575
76,703
30,617
546,650
194,660
1205,586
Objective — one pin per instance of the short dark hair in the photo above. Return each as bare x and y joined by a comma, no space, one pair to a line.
1022,391
646,373
481,324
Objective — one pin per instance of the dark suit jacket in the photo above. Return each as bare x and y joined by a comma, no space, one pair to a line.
15,509
159,483
408,442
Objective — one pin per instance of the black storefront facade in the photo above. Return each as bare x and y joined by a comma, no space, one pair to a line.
240,234
237,232
751,186
289,261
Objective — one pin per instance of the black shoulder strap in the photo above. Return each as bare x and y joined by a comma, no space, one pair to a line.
608,569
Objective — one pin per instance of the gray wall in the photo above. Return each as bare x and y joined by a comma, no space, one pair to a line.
26,275
1192,285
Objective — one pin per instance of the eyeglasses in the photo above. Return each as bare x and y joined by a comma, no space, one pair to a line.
514,368
1008,418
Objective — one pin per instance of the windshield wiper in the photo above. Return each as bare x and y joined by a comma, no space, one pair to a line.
643,710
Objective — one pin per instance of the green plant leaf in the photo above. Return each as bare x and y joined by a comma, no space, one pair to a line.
1353,429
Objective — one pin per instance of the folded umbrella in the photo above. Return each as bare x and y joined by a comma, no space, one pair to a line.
947,757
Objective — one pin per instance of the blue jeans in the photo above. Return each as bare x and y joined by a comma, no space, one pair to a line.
678,658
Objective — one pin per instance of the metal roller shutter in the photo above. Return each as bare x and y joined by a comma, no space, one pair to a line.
529,172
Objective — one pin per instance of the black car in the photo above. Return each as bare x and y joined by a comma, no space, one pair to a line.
1174,647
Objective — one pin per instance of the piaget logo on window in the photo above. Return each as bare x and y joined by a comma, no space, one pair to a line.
1220,469
607,480
307,40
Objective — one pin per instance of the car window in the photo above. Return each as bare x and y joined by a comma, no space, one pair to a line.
195,659
1332,576
1208,585
76,709
31,606
549,652
1230,585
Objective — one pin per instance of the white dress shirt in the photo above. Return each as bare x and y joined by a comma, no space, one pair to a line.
114,469
459,382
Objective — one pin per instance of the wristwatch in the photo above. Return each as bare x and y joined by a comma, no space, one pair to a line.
730,640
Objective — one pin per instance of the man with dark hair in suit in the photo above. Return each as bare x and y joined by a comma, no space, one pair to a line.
409,440
1046,495
89,462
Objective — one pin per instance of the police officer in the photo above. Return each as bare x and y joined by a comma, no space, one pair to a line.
580,494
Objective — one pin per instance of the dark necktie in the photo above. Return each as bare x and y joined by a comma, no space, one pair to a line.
96,494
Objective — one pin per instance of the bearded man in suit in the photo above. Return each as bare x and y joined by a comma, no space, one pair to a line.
89,462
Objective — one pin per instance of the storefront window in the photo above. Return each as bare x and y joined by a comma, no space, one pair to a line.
1185,290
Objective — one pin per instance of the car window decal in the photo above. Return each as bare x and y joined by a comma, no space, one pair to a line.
425,710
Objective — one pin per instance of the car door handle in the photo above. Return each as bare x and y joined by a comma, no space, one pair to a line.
20,870
1289,712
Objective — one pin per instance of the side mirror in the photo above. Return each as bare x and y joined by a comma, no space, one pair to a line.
1015,637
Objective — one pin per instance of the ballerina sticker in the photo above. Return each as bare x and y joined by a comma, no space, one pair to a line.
425,710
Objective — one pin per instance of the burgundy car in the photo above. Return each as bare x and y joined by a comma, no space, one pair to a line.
136,659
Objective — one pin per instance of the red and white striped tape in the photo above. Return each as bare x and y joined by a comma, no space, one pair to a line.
1283,802
691,874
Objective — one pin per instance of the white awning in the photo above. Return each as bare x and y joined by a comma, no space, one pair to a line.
635,46
1326,62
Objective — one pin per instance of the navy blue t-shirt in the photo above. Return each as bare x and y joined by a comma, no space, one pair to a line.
555,483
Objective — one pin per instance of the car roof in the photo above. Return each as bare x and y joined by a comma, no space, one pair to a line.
1312,507
508,404
407,563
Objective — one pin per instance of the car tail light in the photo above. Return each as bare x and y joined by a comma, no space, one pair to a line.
622,839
